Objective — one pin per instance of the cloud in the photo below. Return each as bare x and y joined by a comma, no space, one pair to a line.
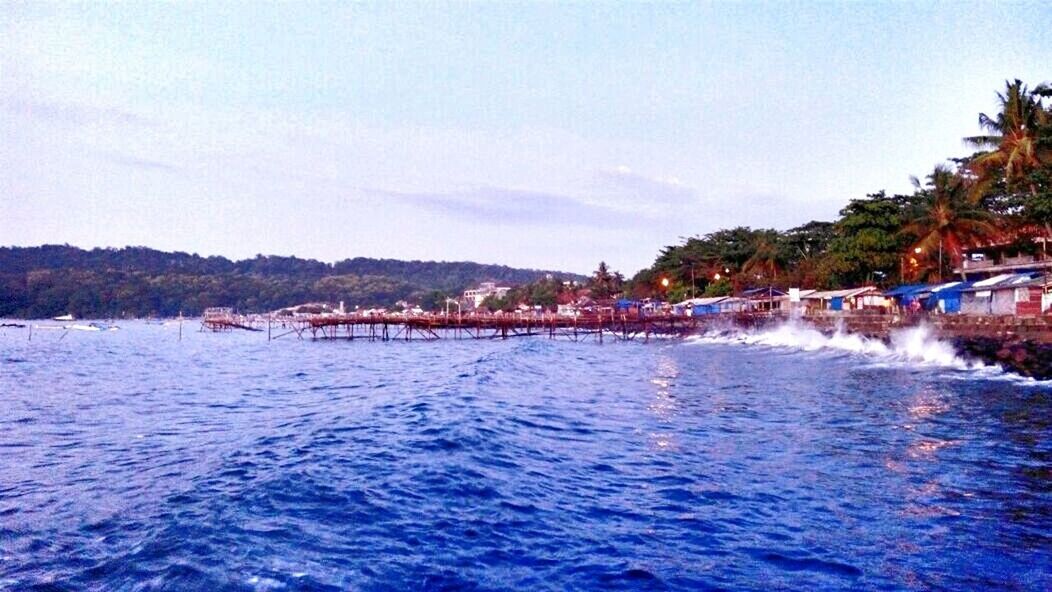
67,112
497,205
140,163
668,191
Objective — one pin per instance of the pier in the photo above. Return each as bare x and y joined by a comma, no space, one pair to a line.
432,327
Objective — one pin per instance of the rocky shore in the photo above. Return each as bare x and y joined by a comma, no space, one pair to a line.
1024,357
1018,344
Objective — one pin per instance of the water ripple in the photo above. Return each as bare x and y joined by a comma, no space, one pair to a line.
133,461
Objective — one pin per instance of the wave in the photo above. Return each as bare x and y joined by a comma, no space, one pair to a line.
915,346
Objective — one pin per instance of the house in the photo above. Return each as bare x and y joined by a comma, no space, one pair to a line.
693,307
628,307
567,310
905,295
475,296
773,300
763,299
945,297
1006,256
712,305
1005,294
867,297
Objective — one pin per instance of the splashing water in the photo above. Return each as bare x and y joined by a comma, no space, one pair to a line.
912,346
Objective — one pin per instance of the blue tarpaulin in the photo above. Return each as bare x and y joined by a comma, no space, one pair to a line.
950,296
907,293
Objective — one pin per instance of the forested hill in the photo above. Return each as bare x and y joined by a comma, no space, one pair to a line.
140,282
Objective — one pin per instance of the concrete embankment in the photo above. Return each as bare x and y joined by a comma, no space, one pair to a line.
1020,344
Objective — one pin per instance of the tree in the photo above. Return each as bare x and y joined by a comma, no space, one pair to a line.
1013,172
946,221
803,250
768,258
868,242
1015,148
605,284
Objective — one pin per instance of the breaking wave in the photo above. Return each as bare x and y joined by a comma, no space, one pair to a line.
915,346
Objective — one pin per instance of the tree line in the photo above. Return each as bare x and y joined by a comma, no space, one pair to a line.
136,282
999,194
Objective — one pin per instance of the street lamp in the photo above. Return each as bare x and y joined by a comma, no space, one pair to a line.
452,301
664,282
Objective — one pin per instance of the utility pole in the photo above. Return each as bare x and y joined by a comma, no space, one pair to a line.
940,258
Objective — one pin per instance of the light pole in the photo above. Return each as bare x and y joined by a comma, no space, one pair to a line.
451,301
940,258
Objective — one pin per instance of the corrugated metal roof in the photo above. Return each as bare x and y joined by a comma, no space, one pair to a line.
702,301
1002,281
847,293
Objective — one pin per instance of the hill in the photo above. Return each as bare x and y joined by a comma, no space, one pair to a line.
49,280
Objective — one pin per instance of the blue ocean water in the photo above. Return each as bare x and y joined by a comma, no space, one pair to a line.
130,460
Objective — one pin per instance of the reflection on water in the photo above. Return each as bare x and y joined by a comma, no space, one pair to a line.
133,461
663,404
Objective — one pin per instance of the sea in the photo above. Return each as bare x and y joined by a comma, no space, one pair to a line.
155,457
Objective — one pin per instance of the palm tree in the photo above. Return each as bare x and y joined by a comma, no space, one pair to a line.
766,259
947,221
605,284
1012,142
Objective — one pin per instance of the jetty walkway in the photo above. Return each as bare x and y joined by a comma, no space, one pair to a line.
432,327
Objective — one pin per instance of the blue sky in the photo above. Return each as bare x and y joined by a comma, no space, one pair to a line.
534,134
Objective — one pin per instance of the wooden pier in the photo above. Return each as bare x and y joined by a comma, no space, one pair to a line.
432,327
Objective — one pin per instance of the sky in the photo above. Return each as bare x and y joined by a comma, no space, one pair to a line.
544,135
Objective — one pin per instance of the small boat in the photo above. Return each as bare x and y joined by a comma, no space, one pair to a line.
93,327
65,317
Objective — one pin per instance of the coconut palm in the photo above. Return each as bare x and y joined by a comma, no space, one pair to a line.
1012,142
767,258
946,221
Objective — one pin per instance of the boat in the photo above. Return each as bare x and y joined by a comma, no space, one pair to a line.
92,327
65,317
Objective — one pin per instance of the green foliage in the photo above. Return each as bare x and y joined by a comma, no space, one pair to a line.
604,284
720,287
138,282
1000,193
868,243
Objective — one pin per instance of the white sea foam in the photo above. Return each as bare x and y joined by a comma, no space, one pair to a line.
916,346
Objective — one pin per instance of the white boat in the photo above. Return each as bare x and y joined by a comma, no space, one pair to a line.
65,317
91,327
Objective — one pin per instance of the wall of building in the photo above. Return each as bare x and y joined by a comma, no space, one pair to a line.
1003,302
1028,301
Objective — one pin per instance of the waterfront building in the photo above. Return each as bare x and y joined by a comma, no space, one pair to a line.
475,296
866,297
694,307
767,299
1006,257
1006,294
944,297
